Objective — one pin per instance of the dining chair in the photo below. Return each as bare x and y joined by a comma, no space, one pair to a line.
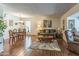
11,37
15,34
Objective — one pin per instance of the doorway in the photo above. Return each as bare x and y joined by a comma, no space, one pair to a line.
28,40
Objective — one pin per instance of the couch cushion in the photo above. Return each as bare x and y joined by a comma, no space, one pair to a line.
69,36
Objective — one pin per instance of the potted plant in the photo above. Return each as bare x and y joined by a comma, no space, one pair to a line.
60,37
2,27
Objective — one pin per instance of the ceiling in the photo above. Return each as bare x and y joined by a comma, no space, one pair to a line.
43,9
75,15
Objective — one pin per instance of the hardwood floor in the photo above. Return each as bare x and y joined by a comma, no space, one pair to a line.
19,50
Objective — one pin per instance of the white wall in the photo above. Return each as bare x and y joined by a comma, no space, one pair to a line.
55,22
1,11
36,19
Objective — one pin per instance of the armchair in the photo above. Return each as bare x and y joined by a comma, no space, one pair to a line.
73,43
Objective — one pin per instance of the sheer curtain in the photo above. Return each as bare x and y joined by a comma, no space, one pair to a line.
28,40
28,26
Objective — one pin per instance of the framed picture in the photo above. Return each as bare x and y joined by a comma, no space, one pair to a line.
71,24
63,24
47,23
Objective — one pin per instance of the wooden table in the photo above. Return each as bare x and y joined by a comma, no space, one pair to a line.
45,38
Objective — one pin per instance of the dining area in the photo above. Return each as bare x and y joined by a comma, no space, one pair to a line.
14,37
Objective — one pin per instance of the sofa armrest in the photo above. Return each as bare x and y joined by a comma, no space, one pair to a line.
74,47
76,38
74,42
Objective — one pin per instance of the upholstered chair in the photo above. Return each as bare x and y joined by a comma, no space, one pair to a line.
73,43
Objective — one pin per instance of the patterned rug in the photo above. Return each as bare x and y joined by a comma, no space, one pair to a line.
46,46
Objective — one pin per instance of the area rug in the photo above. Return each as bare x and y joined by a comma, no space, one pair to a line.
46,46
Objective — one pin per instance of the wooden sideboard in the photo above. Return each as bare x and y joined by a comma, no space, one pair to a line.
46,34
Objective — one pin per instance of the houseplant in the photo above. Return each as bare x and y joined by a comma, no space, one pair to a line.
2,27
59,36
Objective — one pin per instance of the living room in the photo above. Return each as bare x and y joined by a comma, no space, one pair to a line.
43,25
